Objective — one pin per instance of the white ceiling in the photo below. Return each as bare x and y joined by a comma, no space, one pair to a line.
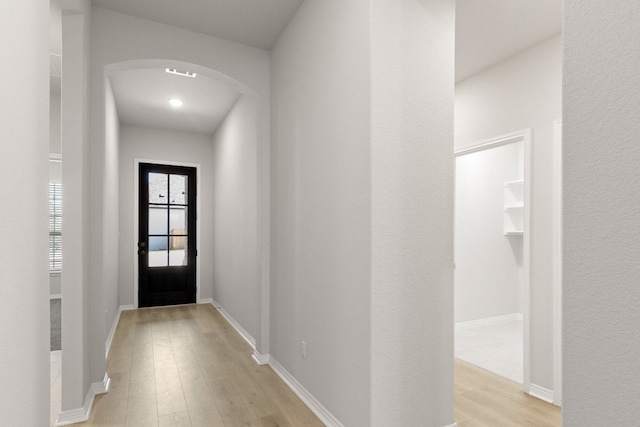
490,31
142,100
255,23
487,32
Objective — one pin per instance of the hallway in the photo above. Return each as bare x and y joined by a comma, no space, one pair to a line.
186,366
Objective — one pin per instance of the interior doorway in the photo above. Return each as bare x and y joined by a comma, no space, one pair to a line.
167,235
508,63
492,211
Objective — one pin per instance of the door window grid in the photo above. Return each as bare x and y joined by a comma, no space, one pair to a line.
167,243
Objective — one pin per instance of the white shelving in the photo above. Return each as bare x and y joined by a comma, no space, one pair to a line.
514,208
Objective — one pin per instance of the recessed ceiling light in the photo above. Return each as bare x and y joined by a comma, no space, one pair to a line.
175,102
180,73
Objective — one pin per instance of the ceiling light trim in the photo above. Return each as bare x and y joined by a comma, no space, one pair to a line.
180,73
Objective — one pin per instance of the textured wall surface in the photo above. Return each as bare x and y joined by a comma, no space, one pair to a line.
111,196
601,296
321,174
234,221
523,92
24,173
75,221
412,47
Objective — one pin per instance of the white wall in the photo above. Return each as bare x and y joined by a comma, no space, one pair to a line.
24,173
162,145
116,39
55,144
362,207
55,284
487,279
321,204
76,312
111,198
412,69
523,92
601,296
235,222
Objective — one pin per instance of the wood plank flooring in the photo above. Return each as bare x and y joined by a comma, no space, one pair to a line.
484,399
186,366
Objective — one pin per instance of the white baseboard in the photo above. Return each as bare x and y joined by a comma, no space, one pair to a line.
55,296
242,331
316,407
80,415
107,345
541,393
260,359
263,359
496,320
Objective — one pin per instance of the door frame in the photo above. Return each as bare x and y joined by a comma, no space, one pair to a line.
524,136
136,227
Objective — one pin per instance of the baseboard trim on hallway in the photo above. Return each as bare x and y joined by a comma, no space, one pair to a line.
496,320
541,393
114,326
316,407
263,359
260,359
242,331
80,415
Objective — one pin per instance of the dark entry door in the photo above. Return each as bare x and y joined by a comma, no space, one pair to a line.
167,240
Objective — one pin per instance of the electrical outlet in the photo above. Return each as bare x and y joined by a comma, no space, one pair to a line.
303,349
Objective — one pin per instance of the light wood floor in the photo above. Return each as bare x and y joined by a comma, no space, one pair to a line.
484,399
186,366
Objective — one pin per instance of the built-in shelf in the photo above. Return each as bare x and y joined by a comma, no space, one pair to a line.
513,208
513,184
508,208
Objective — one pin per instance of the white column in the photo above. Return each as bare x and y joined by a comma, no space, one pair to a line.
601,213
412,45
75,295
24,276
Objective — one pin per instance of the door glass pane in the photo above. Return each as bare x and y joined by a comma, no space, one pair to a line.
178,189
178,252
178,220
158,187
158,255
158,220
